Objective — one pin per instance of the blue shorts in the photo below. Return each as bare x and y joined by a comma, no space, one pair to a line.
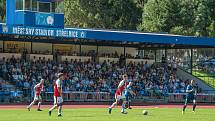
127,96
190,97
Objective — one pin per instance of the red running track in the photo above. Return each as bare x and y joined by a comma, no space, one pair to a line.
102,106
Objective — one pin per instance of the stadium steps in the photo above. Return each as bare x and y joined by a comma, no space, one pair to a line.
204,86
8,85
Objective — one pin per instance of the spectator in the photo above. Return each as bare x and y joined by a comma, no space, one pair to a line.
89,76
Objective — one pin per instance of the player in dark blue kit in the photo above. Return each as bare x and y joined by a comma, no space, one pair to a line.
191,96
128,94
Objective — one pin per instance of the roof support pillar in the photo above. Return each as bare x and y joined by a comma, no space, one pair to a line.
191,61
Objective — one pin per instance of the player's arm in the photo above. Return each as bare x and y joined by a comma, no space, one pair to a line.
189,90
195,90
60,91
132,92
42,89
35,87
121,84
59,87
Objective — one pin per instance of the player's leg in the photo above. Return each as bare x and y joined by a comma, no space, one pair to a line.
54,106
60,110
129,102
116,101
194,105
113,104
32,103
124,99
51,109
185,105
60,103
124,107
36,98
39,104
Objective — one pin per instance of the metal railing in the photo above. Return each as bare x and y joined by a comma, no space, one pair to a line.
107,97
205,70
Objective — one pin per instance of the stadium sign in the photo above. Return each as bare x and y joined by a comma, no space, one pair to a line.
39,31
44,19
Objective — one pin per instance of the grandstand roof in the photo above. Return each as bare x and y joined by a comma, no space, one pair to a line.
108,36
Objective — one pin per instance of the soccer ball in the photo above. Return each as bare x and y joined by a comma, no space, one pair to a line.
145,112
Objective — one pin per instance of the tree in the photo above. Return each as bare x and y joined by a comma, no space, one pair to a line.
2,10
202,21
107,14
181,30
140,3
211,29
159,15
185,17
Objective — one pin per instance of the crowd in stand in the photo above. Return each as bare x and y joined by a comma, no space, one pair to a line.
90,76
2,83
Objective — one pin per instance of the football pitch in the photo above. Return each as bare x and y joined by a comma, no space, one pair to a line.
101,114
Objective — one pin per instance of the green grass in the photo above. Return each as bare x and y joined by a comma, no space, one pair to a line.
207,78
84,114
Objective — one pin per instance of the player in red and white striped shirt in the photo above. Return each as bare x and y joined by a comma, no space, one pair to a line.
37,97
58,100
119,95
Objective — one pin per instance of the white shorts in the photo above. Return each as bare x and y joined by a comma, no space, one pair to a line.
36,98
58,100
120,97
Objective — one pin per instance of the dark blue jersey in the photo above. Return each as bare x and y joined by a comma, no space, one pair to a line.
191,90
127,93
128,88
191,94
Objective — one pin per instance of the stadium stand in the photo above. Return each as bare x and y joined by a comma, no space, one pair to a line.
153,80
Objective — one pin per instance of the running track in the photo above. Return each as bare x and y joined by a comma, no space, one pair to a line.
101,106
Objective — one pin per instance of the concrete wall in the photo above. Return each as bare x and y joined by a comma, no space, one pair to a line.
8,45
1,45
42,47
132,51
86,48
109,50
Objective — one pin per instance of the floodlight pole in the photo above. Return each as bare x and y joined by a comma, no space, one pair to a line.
97,49
52,49
191,61
80,47
124,51
3,46
165,52
31,48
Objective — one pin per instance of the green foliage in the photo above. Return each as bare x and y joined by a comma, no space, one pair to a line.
2,10
201,21
185,17
108,14
211,29
181,30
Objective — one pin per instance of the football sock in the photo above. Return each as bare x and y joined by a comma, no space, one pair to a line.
194,107
39,105
184,107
